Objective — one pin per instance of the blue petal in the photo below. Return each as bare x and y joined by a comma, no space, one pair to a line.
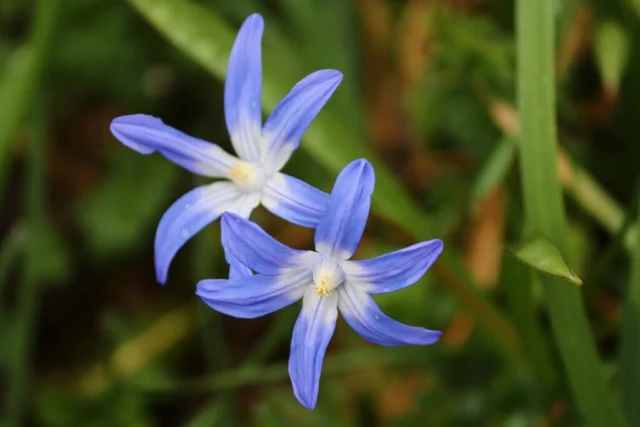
311,335
340,228
187,216
254,296
365,317
254,248
237,270
294,200
242,89
246,204
147,134
393,271
293,115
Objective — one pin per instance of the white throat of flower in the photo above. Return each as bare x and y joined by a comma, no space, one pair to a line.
248,176
327,275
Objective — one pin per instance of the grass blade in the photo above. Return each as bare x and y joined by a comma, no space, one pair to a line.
545,210
21,82
630,352
28,292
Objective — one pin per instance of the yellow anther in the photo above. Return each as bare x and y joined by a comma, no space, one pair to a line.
322,288
240,172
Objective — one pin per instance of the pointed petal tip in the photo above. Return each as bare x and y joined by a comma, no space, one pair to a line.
331,75
430,337
367,171
255,19
207,287
134,120
307,402
437,245
161,273
200,291
361,163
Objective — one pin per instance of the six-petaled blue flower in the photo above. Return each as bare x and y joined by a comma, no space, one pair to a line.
325,279
254,178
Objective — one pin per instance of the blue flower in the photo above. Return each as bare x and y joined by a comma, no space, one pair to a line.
254,178
325,279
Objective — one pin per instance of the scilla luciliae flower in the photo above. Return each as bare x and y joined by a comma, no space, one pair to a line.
325,279
254,177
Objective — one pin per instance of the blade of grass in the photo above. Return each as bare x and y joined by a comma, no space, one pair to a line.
216,353
253,375
518,285
494,170
205,38
9,251
161,335
21,82
630,352
544,209
576,181
206,252
28,292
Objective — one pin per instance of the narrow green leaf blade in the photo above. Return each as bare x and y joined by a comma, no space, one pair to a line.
544,209
630,347
20,83
612,53
495,169
541,254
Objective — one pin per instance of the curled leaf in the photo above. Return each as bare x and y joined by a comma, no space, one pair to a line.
540,253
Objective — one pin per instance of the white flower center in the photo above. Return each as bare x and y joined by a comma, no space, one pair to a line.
327,276
248,176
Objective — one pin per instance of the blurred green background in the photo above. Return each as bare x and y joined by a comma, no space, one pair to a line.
87,338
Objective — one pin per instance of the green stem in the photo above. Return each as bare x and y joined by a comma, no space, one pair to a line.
27,298
253,375
281,330
9,251
630,352
211,332
545,210
216,352
523,311
22,81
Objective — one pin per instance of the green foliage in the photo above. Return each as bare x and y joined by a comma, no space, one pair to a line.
109,347
540,253
544,209
612,50
116,216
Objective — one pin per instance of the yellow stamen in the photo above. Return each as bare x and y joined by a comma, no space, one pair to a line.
239,172
321,289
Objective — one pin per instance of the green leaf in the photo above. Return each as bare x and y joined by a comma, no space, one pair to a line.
11,247
540,253
544,209
54,260
126,205
630,346
612,53
518,283
22,78
495,169
211,415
